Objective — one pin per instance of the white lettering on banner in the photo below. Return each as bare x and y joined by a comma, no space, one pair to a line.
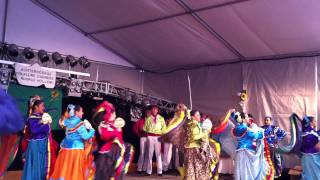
34,75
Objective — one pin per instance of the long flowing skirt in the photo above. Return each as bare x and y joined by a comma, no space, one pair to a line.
196,165
115,163
254,165
70,164
37,163
310,166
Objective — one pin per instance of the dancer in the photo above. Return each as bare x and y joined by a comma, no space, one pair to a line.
274,135
138,130
179,133
26,134
114,156
310,149
154,127
72,159
37,163
250,158
196,167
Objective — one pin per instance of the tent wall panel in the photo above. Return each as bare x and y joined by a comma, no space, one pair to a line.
214,89
173,86
278,88
124,77
318,90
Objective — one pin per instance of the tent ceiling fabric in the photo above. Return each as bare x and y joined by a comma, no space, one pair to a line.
174,42
161,35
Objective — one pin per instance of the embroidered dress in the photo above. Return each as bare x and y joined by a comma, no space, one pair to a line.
310,155
273,135
37,165
72,161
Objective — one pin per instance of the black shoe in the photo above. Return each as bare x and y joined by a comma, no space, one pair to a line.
148,174
159,174
139,172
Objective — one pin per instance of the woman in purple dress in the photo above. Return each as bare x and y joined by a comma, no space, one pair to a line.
310,149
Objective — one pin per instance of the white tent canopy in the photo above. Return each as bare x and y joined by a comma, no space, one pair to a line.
163,35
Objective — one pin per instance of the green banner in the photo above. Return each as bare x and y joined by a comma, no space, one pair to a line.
51,97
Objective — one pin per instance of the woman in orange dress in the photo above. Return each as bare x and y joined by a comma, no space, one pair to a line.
71,162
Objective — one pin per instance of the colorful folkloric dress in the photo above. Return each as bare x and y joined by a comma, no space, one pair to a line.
37,165
72,162
273,134
310,154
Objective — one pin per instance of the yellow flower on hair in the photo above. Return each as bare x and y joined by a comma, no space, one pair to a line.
244,95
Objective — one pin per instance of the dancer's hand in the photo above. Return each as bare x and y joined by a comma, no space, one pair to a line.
87,124
46,119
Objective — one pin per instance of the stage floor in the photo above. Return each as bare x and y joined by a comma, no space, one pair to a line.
16,175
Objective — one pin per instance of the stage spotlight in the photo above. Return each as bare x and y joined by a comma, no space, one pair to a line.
13,50
57,58
84,62
75,87
5,74
146,102
71,60
28,53
43,56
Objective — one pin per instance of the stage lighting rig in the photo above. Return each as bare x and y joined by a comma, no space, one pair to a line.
28,53
71,60
43,56
57,58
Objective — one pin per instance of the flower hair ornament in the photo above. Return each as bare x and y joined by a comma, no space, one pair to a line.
33,99
31,102
71,110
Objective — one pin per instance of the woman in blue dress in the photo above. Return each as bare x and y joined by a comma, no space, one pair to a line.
250,160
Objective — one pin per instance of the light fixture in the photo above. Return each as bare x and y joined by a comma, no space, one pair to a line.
57,58
28,53
5,74
13,50
146,102
84,62
75,87
71,60
43,56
